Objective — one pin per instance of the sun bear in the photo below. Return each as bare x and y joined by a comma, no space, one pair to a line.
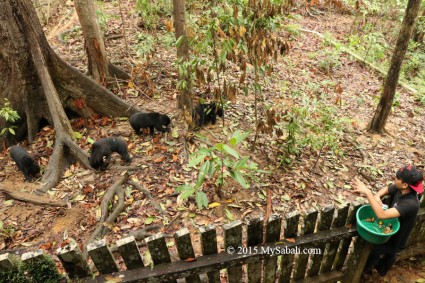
204,113
102,150
25,162
151,120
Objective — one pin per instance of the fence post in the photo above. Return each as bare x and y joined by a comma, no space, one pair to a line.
289,231
209,247
129,252
254,237
325,223
233,238
302,259
8,262
330,255
272,235
185,250
102,257
357,261
73,261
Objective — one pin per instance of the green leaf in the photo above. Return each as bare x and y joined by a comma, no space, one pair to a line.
230,151
201,199
149,220
11,131
78,135
203,171
229,215
241,163
197,160
238,136
239,178
183,188
187,193
90,140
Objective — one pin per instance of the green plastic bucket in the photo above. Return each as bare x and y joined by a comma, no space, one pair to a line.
370,231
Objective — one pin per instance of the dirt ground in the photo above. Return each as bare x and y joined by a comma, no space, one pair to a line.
162,159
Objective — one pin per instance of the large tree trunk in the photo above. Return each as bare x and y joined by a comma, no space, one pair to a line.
41,86
185,100
99,66
384,107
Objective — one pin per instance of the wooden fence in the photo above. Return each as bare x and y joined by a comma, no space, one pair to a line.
315,247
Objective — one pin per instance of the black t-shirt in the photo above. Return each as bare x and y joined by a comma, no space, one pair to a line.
408,206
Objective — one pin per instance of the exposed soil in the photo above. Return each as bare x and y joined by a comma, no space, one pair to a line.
300,186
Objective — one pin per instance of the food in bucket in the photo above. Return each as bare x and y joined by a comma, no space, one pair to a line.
384,230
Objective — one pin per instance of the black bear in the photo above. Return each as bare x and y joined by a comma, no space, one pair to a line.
150,120
25,162
206,112
102,150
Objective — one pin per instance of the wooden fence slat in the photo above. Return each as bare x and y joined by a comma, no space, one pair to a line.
272,235
325,223
255,237
357,261
209,247
185,250
290,231
158,249
8,262
219,261
129,251
345,243
330,254
73,261
302,259
233,240
102,257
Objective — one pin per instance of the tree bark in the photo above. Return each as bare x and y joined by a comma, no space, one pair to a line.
99,66
185,100
40,86
384,107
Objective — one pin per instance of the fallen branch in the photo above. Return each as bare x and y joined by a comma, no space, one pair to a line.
140,234
31,198
109,195
149,196
104,226
363,60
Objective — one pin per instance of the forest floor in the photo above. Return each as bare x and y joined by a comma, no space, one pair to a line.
314,180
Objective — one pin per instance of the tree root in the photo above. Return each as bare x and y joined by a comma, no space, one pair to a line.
26,197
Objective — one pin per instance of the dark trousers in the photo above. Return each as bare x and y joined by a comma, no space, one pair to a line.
382,257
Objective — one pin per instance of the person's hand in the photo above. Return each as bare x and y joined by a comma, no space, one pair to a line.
359,187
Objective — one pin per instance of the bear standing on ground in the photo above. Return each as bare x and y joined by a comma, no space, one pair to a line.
204,113
102,150
150,120
25,162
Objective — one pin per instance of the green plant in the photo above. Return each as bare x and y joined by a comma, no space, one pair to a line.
38,270
145,44
218,163
312,124
102,17
10,116
152,11
329,61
